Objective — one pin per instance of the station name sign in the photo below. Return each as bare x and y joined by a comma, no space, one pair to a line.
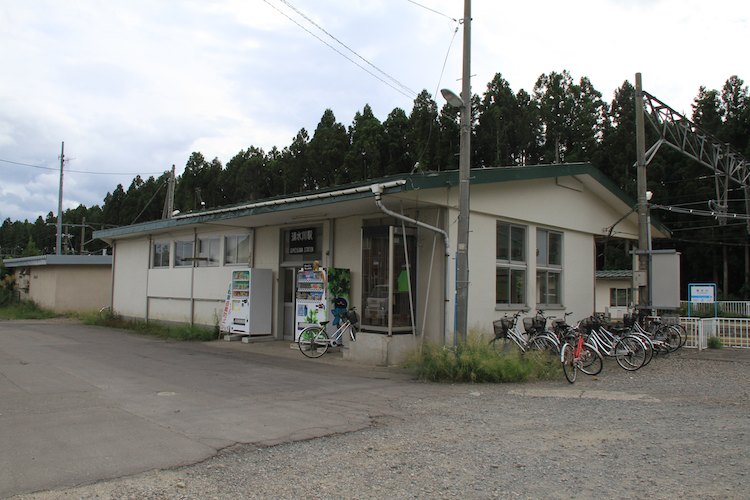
302,241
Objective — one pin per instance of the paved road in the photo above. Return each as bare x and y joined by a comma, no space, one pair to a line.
80,403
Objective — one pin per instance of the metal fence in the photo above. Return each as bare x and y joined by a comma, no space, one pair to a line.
733,332
734,307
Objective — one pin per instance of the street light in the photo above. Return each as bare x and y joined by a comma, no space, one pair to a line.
452,98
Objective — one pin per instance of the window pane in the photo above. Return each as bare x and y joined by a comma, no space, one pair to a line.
503,241
518,244
553,289
208,252
555,249
541,247
243,249
161,255
183,253
230,249
541,287
502,286
613,297
518,286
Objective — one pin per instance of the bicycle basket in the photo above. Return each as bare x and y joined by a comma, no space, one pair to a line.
586,325
536,324
502,326
351,316
628,320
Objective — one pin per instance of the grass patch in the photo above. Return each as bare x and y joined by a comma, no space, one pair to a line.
25,310
714,343
474,361
182,332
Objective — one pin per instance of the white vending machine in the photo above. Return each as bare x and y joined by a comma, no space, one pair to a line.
316,290
248,307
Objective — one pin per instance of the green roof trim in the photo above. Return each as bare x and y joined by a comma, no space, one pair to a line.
395,183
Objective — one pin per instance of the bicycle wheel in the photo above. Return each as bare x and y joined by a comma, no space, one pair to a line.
673,337
502,345
648,345
591,360
313,342
630,353
568,363
545,343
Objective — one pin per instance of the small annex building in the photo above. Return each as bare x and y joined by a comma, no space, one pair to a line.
64,283
531,246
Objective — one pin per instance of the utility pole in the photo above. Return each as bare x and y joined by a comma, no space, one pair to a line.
644,217
58,240
464,166
169,202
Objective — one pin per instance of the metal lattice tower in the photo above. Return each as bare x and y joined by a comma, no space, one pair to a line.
679,133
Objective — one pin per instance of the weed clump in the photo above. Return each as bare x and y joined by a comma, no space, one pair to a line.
475,361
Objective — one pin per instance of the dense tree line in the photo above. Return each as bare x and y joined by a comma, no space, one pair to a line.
562,120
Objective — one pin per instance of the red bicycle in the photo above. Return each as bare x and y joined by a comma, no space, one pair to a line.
577,354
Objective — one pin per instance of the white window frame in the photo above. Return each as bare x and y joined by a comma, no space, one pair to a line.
180,259
515,263
546,269
232,241
208,252
614,293
157,249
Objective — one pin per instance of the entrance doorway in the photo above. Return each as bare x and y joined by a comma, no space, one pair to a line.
388,279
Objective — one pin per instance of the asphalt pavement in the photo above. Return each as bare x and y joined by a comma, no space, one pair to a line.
80,404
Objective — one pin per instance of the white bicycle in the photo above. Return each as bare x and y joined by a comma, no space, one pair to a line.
314,341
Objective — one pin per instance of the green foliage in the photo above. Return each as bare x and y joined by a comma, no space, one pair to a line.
31,249
476,362
23,310
714,343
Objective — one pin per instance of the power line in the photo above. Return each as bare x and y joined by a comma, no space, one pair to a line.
432,10
410,94
54,169
309,20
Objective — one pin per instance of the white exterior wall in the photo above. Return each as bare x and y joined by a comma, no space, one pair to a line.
130,277
602,296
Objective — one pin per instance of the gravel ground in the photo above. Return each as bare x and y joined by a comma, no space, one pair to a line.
679,427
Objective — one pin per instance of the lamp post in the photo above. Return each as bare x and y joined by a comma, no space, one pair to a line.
464,165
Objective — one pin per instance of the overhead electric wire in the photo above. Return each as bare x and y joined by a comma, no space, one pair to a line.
309,20
57,169
410,95
432,10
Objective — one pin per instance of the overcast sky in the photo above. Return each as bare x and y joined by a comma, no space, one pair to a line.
134,87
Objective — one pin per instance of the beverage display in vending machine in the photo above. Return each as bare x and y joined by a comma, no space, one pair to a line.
316,289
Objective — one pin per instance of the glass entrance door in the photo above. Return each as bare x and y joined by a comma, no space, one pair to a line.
388,279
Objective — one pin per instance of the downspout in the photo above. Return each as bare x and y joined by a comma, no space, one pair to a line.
377,190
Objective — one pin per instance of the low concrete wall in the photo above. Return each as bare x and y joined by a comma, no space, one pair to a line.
381,350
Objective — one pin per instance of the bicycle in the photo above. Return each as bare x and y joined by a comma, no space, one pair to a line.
535,336
314,341
631,351
577,354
